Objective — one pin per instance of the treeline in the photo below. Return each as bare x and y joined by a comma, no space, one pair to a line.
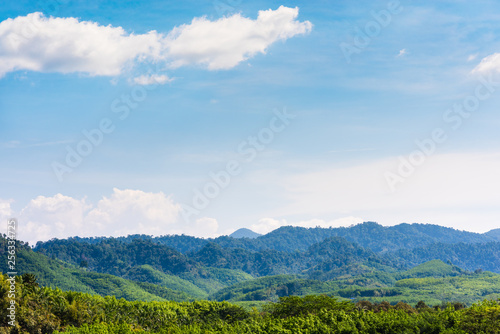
46,310
145,270
370,235
323,260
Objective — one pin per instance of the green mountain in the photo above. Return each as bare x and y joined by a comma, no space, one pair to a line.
55,273
370,235
136,283
366,261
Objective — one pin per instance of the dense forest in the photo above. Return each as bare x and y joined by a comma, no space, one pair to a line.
289,238
364,271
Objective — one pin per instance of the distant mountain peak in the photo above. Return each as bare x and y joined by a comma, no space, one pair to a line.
244,233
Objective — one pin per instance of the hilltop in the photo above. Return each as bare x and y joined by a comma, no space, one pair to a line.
244,233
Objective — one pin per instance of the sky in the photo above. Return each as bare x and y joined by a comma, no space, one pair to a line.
202,117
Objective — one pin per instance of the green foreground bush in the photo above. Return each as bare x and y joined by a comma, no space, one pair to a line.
45,310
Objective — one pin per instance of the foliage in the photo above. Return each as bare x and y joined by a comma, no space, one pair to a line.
289,239
46,310
485,256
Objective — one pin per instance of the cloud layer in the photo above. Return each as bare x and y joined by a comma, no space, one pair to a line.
66,45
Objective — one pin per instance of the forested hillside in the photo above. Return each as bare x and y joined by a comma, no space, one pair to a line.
404,263
468,256
137,282
288,250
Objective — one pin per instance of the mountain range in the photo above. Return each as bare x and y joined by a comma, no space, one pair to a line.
366,261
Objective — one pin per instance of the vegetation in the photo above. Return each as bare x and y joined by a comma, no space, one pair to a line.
139,268
363,279
428,282
484,256
46,310
288,250
289,239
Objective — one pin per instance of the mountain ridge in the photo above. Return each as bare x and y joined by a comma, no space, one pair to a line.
349,262
371,235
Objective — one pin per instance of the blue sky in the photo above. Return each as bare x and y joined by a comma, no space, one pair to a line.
393,115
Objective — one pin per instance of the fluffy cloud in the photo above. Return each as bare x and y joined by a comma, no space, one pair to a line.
124,212
224,43
267,225
47,44
154,79
57,216
134,211
35,42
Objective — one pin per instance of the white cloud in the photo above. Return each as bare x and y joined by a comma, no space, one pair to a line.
488,64
224,43
133,211
154,79
47,217
5,209
37,43
66,45
124,212
267,225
